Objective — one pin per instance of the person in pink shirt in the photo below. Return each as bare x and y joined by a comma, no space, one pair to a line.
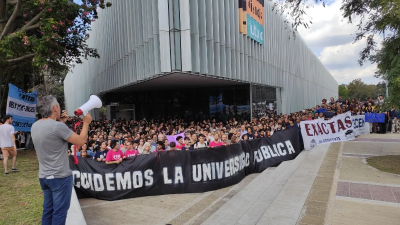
114,155
216,141
180,144
130,151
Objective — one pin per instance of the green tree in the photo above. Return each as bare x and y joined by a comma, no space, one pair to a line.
388,62
374,18
52,82
45,34
359,90
379,18
343,91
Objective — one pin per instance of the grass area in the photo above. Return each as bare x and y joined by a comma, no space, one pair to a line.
21,198
388,163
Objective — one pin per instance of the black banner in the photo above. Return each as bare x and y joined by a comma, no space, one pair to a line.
173,172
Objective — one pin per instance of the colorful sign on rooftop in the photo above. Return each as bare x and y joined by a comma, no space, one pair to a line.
251,19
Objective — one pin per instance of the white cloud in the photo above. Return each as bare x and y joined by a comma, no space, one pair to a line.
345,75
327,22
331,38
341,56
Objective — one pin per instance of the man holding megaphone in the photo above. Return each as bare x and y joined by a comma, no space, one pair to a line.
50,136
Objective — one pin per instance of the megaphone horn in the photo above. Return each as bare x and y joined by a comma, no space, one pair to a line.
93,103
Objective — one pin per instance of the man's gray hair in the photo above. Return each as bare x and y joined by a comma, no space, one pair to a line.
45,105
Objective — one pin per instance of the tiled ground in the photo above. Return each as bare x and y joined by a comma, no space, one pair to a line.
362,195
368,191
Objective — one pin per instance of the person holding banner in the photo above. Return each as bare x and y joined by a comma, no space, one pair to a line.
187,146
50,136
166,145
114,155
102,153
160,146
180,144
216,142
202,143
7,143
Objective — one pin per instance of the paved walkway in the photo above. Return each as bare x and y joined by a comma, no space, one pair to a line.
163,209
359,194
331,184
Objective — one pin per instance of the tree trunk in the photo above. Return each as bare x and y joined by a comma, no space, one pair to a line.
3,14
3,22
26,81
1,82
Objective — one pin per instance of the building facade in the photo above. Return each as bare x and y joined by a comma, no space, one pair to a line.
197,59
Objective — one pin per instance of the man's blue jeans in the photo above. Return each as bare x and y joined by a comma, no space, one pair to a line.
57,199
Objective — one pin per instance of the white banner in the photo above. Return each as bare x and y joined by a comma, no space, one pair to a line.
316,132
359,125
18,107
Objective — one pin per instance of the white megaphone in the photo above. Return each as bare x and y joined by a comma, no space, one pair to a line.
93,103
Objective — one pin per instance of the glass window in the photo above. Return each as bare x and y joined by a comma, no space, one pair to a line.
263,100
221,103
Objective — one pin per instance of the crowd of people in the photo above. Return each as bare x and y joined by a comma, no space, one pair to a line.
111,141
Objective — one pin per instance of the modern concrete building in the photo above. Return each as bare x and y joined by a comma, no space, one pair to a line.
197,59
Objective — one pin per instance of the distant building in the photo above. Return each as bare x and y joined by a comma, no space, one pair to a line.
197,59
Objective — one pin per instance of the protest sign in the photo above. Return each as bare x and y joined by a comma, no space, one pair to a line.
338,128
174,172
375,117
22,106
359,125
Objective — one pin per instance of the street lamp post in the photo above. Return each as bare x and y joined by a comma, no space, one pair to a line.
386,84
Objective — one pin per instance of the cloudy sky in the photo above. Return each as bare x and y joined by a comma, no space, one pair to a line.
331,39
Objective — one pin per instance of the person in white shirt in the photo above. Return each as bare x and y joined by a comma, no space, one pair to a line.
243,130
7,143
201,143
381,100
